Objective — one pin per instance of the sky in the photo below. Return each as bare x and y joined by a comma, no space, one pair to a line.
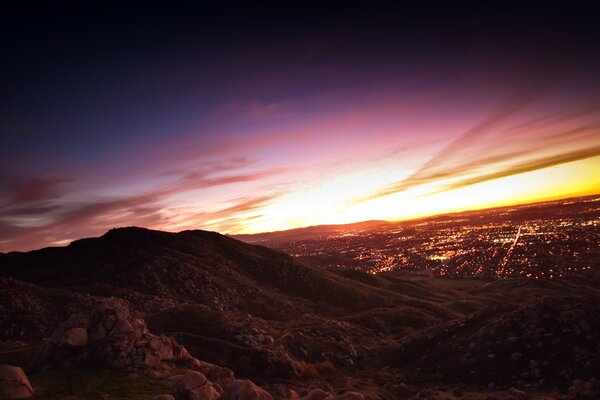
245,118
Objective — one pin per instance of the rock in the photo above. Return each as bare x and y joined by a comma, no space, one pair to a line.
109,336
172,380
153,373
214,373
75,337
443,395
163,397
186,382
278,390
316,394
293,395
583,390
244,390
205,392
193,385
347,396
403,389
519,394
428,394
14,383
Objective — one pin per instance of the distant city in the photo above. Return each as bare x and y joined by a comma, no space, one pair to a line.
548,240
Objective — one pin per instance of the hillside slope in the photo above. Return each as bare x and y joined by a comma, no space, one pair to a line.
278,321
156,270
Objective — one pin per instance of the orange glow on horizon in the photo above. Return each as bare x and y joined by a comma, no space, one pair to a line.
332,201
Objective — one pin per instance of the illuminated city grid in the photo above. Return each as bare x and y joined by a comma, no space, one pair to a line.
506,245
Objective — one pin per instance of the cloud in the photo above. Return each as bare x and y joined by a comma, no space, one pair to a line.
243,206
20,190
528,166
195,181
495,148
92,219
33,210
196,149
225,219
476,133
71,220
260,110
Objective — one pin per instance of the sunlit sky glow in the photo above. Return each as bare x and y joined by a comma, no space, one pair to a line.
315,123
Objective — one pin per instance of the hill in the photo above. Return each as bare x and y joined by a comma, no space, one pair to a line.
154,270
288,325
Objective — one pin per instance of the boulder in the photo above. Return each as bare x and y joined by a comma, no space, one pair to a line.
214,373
14,383
292,395
430,394
316,394
163,397
193,385
75,337
347,396
443,395
244,390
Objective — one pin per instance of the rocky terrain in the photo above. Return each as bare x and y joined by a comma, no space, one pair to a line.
137,313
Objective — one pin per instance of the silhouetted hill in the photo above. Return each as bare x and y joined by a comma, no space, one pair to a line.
156,270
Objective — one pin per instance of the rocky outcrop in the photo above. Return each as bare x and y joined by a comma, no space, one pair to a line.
30,313
14,383
110,335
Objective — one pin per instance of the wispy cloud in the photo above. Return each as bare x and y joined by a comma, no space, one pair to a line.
527,166
24,190
504,144
21,226
230,218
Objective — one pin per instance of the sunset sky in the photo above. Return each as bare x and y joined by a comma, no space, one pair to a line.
245,119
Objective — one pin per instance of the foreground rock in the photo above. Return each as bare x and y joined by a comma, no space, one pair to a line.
14,383
347,396
193,385
111,336
316,394
244,390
